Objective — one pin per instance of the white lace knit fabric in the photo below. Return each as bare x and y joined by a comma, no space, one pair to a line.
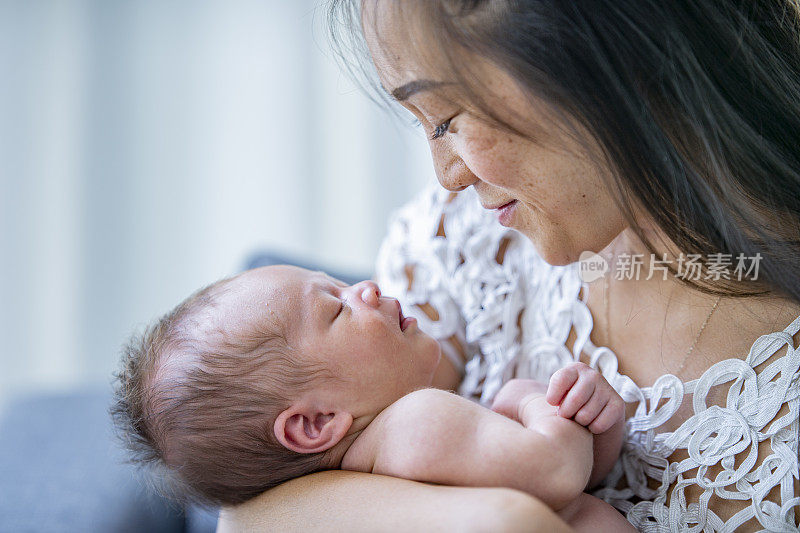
513,316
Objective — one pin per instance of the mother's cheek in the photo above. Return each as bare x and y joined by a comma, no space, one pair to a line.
476,137
492,156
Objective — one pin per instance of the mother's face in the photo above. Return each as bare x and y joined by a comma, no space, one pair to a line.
560,201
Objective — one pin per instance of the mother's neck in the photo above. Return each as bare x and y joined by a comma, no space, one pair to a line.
667,313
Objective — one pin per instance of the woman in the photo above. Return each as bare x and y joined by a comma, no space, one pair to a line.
654,133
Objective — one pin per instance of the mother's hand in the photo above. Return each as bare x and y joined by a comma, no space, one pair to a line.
339,500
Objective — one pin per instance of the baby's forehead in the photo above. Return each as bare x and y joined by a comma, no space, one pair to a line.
279,294
288,281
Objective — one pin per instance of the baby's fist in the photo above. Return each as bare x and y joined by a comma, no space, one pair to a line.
583,394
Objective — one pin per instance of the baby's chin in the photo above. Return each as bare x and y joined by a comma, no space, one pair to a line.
435,353
426,363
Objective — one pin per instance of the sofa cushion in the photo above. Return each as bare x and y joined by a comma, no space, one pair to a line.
61,469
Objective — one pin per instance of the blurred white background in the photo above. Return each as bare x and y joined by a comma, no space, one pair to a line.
148,147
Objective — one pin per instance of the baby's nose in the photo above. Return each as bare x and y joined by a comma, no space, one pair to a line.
370,293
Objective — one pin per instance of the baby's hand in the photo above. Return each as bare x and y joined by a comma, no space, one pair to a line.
507,400
583,394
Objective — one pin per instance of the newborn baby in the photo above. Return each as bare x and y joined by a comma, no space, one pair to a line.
279,372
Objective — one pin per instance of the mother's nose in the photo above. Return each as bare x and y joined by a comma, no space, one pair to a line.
451,171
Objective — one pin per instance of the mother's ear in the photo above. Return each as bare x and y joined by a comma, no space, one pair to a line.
308,430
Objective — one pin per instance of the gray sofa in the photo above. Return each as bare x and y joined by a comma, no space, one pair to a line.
61,469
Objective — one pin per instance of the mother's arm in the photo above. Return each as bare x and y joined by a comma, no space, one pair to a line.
339,500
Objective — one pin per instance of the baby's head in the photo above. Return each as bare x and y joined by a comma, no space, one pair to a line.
264,377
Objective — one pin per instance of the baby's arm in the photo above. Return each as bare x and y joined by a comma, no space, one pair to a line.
589,514
439,437
583,394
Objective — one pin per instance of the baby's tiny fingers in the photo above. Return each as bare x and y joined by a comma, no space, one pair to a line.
592,409
560,384
610,415
576,398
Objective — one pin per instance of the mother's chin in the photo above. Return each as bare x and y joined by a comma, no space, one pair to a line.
554,243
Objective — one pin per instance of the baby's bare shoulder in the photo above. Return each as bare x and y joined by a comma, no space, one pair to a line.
427,406
421,414
422,427
424,416
429,397
431,418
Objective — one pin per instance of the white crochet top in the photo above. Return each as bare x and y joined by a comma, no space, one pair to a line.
513,318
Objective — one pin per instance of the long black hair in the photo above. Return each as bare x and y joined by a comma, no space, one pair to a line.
695,105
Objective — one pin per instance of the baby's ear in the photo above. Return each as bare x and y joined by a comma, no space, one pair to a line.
307,430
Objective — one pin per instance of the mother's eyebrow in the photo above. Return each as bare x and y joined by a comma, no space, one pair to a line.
407,90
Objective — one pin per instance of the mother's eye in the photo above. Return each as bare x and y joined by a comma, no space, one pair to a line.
441,129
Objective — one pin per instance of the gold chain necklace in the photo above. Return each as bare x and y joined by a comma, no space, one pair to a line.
691,348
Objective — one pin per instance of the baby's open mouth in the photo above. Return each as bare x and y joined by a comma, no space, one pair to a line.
404,320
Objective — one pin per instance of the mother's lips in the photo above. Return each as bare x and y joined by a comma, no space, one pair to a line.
498,206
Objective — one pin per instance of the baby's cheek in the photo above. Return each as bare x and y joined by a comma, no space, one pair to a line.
378,335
